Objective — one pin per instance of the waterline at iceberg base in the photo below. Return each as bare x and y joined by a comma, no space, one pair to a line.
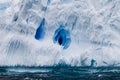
60,39
60,73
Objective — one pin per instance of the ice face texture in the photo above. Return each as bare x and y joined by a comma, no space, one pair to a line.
30,32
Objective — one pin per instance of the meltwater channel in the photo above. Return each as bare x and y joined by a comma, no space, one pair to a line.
60,39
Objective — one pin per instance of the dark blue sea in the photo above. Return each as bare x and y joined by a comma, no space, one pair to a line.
59,73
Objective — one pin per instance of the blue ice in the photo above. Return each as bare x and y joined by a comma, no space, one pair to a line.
40,32
62,37
3,7
48,2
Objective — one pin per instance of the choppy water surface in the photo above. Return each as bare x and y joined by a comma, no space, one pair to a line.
59,73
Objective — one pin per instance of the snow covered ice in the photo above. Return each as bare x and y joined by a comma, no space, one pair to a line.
27,32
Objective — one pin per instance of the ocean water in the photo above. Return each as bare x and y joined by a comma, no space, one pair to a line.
50,32
59,73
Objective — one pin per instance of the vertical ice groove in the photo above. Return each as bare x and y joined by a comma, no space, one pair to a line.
13,46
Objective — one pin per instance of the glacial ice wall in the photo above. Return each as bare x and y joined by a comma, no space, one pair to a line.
92,28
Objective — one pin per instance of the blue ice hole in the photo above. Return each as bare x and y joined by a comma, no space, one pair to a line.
62,37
